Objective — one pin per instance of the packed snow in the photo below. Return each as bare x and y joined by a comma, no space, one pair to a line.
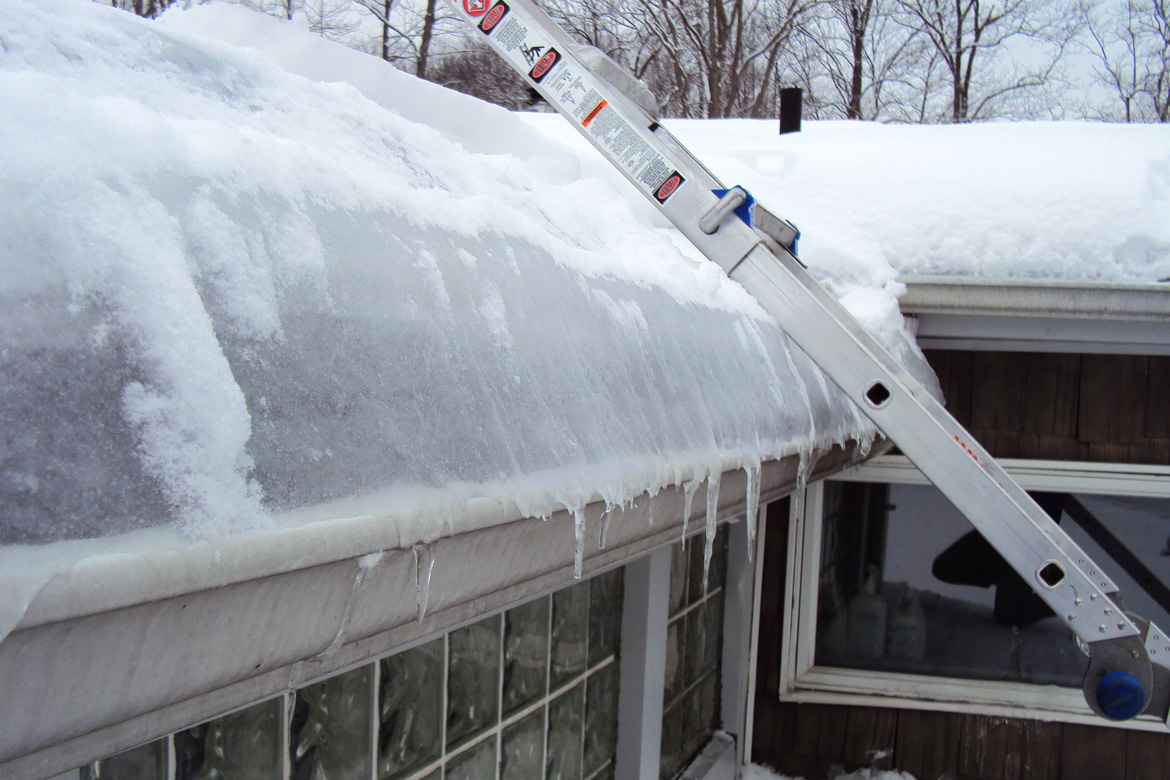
237,282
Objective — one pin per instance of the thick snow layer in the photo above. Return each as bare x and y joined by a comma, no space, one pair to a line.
234,285
1067,201
756,772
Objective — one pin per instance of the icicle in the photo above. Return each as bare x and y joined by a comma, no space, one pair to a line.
650,512
864,445
424,565
712,516
605,517
808,462
339,638
578,542
753,506
688,497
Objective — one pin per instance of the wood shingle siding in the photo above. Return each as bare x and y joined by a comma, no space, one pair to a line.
1106,408
813,741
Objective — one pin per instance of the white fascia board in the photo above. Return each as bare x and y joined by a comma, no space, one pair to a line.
116,653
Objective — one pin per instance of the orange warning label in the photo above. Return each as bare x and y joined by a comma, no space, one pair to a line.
596,110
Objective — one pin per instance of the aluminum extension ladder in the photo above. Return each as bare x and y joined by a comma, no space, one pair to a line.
1128,656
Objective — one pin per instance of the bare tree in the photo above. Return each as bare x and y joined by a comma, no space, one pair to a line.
869,62
1132,47
408,31
481,73
717,58
970,35
328,18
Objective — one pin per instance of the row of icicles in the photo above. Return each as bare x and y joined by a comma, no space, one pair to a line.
424,554
424,558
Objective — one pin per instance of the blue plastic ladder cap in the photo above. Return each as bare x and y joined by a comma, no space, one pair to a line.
1120,696
746,209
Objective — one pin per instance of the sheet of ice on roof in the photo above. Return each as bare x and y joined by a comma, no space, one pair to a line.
227,290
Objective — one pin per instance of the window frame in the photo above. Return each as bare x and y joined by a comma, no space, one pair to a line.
803,681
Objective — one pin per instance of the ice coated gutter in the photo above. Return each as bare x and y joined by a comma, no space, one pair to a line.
1069,316
162,640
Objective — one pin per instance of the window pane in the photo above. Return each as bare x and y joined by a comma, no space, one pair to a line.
695,636
243,746
712,634
908,586
570,623
674,752
605,615
695,547
525,654
678,578
601,697
146,762
718,574
411,709
674,660
476,763
702,717
522,757
565,720
330,731
473,679
1127,537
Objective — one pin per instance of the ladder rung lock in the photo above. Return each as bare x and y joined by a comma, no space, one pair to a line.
714,217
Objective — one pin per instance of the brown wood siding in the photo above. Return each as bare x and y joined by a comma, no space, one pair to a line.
1113,408
1106,408
814,741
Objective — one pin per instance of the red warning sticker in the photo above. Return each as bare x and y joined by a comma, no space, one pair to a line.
544,65
475,7
590,116
493,17
667,188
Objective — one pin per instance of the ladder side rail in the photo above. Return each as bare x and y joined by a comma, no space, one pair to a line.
936,443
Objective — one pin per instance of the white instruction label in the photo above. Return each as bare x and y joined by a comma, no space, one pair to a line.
573,91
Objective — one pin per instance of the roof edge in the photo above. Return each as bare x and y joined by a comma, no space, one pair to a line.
1036,298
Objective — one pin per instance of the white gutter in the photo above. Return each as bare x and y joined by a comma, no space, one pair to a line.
998,298
1026,316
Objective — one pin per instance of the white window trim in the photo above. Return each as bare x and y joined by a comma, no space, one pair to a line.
803,681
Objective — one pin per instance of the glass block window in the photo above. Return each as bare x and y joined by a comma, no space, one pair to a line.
147,762
330,736
243,746
529,694
694,641
526,694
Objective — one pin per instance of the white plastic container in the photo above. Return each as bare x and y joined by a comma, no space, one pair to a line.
867,620
906,634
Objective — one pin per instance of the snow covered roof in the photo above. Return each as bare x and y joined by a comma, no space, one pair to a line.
231,292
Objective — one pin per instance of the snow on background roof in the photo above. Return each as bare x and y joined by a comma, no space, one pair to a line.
229,290
1069,201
